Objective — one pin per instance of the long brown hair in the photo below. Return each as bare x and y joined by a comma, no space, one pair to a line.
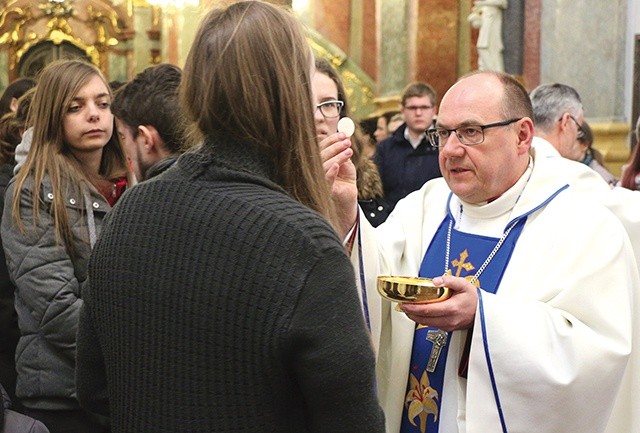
9,137
58,84
632,169
247,77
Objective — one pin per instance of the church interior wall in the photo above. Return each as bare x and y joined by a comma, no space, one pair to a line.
586,48
379,46
586,51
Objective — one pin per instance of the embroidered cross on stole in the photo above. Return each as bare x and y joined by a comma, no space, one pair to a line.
467,252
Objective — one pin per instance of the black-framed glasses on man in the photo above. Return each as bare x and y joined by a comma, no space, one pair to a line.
581,132
468,135
330,109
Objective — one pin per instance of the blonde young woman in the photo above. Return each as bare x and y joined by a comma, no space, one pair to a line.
54,207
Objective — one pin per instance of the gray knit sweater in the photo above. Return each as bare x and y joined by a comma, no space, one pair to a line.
218,303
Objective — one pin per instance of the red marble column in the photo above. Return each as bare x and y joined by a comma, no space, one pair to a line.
369,40
173,37
437,43
332,20
473,50
531,61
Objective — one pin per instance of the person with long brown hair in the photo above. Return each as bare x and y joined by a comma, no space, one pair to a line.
221,298
330,95
631,170
54,208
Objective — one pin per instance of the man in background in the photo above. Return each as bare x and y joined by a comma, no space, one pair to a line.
406,160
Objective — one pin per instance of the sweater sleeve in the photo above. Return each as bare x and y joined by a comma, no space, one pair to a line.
333,357
47,289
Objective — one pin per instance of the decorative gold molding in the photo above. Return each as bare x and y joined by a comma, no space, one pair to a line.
16,34
94,26
611,139
385,104
335,58
107,27
358,85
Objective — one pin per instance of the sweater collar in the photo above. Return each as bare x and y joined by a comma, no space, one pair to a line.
217,152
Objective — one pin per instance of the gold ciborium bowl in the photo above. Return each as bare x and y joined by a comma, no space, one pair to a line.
411,289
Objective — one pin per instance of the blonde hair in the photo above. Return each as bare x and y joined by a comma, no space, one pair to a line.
49,155
247,78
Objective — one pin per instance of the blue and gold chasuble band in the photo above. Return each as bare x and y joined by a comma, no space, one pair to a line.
467,253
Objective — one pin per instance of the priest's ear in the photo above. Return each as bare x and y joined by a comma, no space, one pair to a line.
525,134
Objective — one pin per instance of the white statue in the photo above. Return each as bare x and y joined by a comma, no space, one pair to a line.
486,15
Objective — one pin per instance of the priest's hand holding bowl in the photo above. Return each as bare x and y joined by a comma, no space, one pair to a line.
456,312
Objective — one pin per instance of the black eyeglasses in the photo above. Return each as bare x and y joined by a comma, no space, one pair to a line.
468,135
330,109
581,132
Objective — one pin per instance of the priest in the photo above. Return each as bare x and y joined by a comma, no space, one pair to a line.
537,332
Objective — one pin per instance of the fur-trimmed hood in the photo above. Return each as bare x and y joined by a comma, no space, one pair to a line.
368,180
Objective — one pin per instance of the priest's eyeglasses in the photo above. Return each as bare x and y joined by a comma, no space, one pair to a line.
330,109
581,133
468,135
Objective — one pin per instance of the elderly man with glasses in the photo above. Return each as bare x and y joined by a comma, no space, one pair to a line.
536,332
558,117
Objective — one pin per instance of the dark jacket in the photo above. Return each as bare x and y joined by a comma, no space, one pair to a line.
402,168
9,332
219,303
15,422
48,293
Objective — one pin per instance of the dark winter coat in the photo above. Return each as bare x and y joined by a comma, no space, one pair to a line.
15,422
48,292
404,169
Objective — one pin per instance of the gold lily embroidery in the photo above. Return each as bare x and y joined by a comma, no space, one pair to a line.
421,401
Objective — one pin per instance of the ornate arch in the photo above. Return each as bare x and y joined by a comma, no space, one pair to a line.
96,27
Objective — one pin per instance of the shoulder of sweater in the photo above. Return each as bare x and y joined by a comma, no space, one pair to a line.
296,219
281,211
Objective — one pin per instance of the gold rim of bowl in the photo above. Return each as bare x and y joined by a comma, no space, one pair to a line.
411,289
